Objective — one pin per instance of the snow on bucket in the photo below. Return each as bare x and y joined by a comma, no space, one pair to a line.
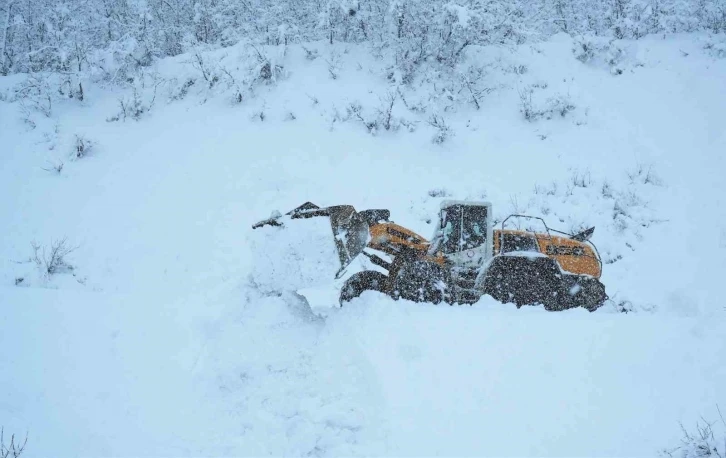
299,254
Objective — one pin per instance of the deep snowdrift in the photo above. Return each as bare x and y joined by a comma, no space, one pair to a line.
157,342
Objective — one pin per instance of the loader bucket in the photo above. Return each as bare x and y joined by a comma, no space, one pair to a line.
349,228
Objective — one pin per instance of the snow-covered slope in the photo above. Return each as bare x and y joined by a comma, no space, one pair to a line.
156,342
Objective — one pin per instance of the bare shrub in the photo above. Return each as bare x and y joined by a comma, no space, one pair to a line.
354,111
52,260
311,54
439,192
182,91
471,82
333,65
443,130
54,167
238,92
644,174
208,70
607,190
700,443
82,147
266,71
35,94
525,105
385,111
13,449
581,179
558,105
134,107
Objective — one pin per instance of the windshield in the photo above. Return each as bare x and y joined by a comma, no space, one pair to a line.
463,227
474,232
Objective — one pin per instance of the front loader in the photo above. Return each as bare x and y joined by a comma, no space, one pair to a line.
465,259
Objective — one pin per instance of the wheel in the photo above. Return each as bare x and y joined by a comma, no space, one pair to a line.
422,281
585,292
368,280
525,281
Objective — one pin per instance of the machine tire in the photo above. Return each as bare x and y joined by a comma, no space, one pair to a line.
422,281
586,292
368,280
525,281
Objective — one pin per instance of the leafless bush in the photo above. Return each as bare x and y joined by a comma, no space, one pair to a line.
581,179
52,260
558,105
333,65
471,83
55,167
385,111
417,107
134,107
260,114
382,118
585,49
208,70
310,54
354,111
267,71
35,93
717,49
182,91
82,147
443,131
644,174
439,192
607,190
525,105
238,92
13,449
700,443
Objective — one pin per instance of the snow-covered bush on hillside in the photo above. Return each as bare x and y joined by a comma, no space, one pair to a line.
113,40
601,51
82,147
49,266
532,109
716,46
141,99
53,259
14,448
380,118
699,443
443,130
35,93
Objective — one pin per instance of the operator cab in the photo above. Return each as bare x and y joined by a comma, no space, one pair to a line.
464,235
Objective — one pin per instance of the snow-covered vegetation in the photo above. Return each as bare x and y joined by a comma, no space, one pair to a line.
140,141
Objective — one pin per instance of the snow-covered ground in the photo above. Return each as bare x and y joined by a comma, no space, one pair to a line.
157,341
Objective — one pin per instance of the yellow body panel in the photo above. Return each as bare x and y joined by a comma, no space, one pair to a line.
574,256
